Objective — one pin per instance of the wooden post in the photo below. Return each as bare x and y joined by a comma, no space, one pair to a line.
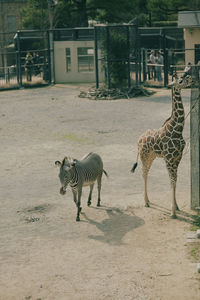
195,148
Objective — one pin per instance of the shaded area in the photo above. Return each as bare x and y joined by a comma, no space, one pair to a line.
115,227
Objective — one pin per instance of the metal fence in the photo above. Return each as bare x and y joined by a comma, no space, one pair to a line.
174,63
24,59
119,51
118,45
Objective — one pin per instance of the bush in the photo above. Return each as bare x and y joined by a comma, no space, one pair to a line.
116,54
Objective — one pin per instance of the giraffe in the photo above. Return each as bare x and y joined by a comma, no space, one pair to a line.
167,142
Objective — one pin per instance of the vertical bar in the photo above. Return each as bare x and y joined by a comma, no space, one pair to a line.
49,57
140,62
19,60
96,56
165,54
136,52
195,148
128,51
144,64
108,55
51,52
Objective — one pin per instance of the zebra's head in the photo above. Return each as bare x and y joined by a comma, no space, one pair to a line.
64,174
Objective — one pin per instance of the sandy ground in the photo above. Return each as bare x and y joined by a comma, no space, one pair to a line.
120,251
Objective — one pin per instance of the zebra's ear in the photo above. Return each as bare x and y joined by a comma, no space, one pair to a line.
58,163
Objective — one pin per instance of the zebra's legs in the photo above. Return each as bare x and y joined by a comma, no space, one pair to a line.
79,208
90,194
77,203
99,189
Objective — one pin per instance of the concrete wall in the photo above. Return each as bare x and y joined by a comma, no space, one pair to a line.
192,37
61,74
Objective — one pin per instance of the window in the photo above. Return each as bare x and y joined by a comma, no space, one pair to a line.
68,59
197,53
12,25
85,59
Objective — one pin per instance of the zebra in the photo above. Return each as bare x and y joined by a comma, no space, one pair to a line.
79,173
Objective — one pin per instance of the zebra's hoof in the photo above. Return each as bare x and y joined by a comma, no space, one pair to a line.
147,204
98,204
62,192
77,219
173,217
89,203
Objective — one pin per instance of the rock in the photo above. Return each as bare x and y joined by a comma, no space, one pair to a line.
198,233
198,267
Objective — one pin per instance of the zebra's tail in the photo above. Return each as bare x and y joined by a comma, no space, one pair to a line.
135,165
105,173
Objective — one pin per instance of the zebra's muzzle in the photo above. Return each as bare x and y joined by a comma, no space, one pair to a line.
62,191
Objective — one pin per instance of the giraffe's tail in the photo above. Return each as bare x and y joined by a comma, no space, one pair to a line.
135,165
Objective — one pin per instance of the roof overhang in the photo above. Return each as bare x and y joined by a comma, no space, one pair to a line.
188,19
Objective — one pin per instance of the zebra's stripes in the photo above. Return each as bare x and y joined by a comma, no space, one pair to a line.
79,173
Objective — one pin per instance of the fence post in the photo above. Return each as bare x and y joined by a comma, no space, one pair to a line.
128,58
108,55
48,32
165,52
195,148
96,56
19,67
137,52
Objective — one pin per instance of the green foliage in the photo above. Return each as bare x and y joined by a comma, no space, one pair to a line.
167,10
116,54
35,15
76,13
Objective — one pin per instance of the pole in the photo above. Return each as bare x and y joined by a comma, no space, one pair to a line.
128,52
96,56
108,55
195,148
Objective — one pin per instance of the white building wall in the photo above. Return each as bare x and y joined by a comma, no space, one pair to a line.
61,74
192,37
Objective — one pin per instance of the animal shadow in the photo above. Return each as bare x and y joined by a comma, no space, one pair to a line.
116,226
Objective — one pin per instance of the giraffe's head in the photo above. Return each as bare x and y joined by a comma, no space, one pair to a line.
183,82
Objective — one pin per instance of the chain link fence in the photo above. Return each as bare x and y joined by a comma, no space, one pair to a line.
24,59
116,48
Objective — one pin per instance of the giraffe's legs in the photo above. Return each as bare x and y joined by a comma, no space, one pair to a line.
172,170
147,160
174,204
146,198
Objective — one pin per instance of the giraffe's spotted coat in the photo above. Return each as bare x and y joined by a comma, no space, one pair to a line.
166,142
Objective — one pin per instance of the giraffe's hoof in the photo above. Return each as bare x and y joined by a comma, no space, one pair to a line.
147,204
174,216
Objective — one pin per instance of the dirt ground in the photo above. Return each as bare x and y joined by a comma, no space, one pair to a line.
120,251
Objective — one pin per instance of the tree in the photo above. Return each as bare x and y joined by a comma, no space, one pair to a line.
168,9
76,13
35,15
45,14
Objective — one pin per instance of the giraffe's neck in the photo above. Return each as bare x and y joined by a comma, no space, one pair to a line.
178,115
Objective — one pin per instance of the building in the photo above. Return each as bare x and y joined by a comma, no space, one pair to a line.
10,14
190,21
9,24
